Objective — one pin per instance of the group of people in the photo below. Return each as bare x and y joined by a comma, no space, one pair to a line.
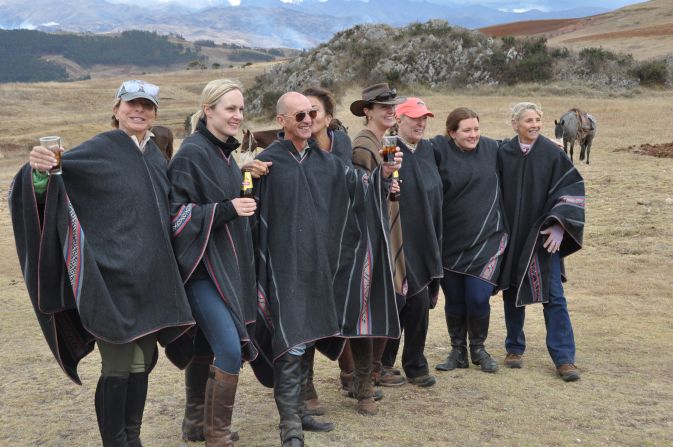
338,251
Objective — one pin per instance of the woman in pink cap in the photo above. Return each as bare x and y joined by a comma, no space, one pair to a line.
420,211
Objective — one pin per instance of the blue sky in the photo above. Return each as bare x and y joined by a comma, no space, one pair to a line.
511,6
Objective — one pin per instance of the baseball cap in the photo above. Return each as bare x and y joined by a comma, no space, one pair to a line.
134,89
413,108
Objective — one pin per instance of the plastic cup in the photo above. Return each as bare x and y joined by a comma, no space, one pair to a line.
53,143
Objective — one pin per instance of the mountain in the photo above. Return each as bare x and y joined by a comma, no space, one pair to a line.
262,23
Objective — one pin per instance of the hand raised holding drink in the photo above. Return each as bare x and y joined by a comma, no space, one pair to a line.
394,165
47,156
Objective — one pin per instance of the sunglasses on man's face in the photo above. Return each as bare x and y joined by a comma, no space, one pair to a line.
299,116
137,86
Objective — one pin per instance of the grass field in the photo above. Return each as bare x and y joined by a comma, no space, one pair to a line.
620,298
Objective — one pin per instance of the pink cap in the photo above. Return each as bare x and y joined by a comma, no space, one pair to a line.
413,108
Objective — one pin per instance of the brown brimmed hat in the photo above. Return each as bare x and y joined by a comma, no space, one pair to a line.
376,94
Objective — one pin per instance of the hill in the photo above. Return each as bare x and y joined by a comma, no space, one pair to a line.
32,56
435,54
644,30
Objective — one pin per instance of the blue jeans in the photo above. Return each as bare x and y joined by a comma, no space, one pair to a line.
560,338
466,295
215,321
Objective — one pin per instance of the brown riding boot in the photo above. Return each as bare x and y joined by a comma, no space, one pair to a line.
347,368
364,387
312,405
219,406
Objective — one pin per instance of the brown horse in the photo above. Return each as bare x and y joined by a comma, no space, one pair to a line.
163,137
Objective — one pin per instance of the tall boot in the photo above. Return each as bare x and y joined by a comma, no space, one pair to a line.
110,403
478,329
380,375
457,358
219,407
364,386
287,393
196,376
346,368
308,423
136,394
312,405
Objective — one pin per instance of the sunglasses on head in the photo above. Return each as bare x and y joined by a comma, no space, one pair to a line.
137,86
386,96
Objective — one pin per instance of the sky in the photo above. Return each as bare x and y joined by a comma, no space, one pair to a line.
506,5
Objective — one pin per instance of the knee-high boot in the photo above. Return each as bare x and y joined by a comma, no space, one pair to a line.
110,403
364,386
457,358
196,376
308,423
287,393
478,329
346,367
219,407
312,405
136,394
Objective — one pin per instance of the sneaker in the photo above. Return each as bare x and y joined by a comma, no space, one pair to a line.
568,372
513,360
423,381
389,379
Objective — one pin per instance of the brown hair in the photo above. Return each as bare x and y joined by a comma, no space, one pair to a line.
325,97
458,115
114,122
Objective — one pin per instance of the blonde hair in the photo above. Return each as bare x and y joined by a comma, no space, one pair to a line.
521,107
210,96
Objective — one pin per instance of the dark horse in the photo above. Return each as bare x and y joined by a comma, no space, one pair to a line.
262,138
576,125
163,137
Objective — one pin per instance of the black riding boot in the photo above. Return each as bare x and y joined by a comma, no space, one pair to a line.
287,392
136,394
196,376
478,328
457,358
308,423
110,403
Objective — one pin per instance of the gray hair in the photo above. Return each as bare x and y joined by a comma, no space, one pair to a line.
521,107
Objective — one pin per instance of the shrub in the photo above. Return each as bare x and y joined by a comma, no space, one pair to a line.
650,73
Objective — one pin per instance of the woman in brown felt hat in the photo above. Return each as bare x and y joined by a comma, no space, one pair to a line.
357,362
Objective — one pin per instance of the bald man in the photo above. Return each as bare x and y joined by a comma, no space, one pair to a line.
320,240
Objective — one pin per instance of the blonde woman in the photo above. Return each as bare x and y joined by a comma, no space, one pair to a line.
213,247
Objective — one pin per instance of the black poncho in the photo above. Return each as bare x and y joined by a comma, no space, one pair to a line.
475,236
421,216
539,189
320,242
102,265
341,147
201,177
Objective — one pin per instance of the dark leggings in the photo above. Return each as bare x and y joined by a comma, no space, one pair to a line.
466,295
215,321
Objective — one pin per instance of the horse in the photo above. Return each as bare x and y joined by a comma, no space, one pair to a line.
163,137
576,126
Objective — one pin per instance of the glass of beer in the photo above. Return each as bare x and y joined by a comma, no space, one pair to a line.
389,149
53,143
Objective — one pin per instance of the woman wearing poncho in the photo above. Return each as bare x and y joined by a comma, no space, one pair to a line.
213,247
474,236
420,207
544,205
100,268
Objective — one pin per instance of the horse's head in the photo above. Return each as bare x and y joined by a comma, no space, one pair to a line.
249,143
558,128
163,137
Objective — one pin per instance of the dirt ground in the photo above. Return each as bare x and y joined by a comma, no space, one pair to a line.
655,150
620,297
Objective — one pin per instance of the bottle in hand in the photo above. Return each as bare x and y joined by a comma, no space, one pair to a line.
395,196
246,185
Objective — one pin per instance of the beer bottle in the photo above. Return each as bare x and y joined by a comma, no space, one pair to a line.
246,185
395,196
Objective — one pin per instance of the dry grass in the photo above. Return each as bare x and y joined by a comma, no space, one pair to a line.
620,297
